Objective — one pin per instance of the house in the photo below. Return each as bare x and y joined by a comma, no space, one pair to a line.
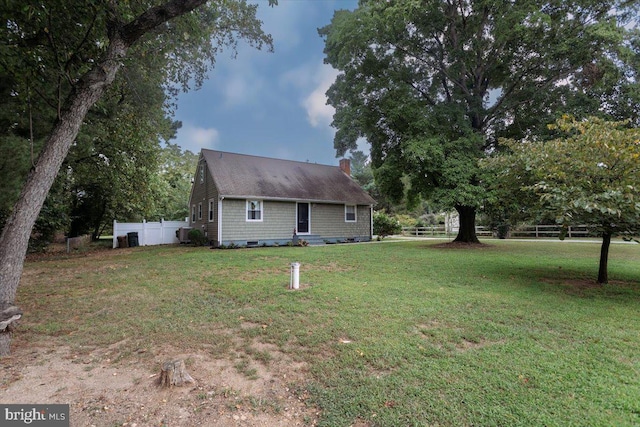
255,201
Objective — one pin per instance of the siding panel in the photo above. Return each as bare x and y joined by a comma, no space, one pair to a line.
278,221
202,192
329,222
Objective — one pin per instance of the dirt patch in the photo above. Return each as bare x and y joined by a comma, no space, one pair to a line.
460,245
104,390
466,345
578,284
333,267
452,344
59,250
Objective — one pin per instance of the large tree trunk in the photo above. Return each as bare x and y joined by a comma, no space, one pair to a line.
603,275
14,239
467,230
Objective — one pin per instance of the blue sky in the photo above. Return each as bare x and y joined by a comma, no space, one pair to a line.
269,104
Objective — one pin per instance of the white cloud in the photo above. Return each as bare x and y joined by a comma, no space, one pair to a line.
284,22
236,90
242,80
205,137
301,77
191,137
318,112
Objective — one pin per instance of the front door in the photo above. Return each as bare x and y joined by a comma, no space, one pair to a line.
303,218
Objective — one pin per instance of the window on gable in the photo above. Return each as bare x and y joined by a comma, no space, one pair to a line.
199,210
193,213
350,213
254,210
201,173
211,210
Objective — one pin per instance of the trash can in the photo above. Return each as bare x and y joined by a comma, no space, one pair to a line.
122,242
133,239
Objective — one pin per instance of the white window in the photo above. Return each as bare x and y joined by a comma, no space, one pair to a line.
350,213
200,210
211,205
201,173
193,213
254,210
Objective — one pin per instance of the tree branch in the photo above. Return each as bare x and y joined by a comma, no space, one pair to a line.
155,16
83,41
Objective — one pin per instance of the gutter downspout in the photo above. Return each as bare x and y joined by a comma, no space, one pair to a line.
371,221
220,199
205,224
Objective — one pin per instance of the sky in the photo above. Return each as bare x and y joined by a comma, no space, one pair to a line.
269,104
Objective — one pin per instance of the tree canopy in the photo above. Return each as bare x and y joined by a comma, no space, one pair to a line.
432,84
67,54
590,175
174,186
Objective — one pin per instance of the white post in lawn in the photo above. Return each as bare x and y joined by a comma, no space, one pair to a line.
295,276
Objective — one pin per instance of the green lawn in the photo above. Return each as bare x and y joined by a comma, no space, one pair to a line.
395,334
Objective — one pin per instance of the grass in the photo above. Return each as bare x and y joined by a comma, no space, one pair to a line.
407,333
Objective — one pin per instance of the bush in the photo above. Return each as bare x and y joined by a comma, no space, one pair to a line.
503,231
197,237
429,219
404,220
385,225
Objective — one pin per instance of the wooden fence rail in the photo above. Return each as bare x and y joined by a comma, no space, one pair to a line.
550,231
535,231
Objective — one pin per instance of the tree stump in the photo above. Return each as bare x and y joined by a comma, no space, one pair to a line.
9,313
174,373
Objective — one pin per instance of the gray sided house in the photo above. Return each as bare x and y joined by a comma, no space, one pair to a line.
255,201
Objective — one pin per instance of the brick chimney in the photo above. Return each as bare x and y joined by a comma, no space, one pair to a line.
345,165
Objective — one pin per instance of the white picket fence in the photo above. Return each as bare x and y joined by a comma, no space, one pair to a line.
149,233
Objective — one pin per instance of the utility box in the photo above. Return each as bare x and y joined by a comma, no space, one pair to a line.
183,234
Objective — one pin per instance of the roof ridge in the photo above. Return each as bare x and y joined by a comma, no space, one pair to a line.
269,158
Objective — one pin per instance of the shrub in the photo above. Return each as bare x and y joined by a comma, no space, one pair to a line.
429,219
385,225
197,237
503,231
404,220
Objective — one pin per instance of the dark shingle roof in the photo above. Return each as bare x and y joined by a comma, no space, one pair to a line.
239,175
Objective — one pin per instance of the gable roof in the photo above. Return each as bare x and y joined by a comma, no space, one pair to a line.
240,175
